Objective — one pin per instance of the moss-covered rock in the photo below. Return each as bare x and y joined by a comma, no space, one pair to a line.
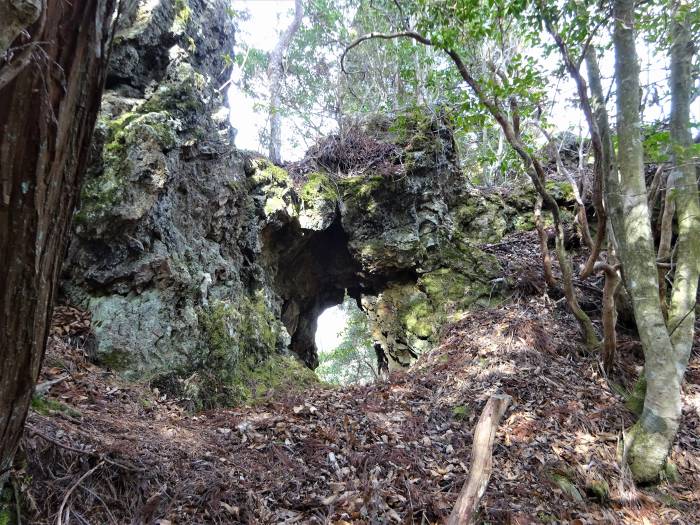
319,200
482,217
239,336
133,171
561,191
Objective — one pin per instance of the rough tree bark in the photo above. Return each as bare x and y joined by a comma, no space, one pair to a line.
666,350
681,315
47,113
275,72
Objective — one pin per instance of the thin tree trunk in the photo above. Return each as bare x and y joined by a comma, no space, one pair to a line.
599,166
665,239
648,442
609,314
685,279
537,176
47,113
611,199
544,247
275,73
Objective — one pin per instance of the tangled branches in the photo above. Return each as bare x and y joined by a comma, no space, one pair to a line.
351,151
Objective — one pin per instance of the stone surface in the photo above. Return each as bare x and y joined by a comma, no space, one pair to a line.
166,246
200,262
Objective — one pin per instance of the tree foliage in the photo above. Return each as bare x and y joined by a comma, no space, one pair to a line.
353,360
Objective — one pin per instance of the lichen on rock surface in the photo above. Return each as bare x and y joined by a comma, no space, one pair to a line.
167,229
204,267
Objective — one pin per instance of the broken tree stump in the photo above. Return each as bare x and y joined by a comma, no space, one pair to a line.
481,461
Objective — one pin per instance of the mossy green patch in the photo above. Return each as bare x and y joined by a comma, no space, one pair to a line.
183,14
670,472
460,412
524,221
561,191
265,172
276,374
181,95
98,196
418,316
482,218
7,506
567,486
103,192
46,406
445,285
635,399
360,188
415,129
599,490
116,359
240,338
647,452
233,329
318,186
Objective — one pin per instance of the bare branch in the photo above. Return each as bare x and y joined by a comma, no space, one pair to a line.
382,36
482,461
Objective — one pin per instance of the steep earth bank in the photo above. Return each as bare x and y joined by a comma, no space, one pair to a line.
396,451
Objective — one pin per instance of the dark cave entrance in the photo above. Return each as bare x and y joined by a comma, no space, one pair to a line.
314,271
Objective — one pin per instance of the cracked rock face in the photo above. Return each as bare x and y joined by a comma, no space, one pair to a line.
391,240
166,235
199,262
16,16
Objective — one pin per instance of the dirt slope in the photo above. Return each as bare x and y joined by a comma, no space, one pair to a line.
105,451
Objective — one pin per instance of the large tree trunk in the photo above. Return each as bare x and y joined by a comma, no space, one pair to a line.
47,113
275,73
666,350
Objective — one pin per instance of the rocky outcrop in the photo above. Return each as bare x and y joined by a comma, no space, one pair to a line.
395,236
165,247
199,262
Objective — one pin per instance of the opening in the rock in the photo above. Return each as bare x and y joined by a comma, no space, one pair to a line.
345,348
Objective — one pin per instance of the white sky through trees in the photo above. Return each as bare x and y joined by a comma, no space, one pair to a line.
266,19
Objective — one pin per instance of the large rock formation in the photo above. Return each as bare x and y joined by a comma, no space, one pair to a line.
198,262
166,245
382,230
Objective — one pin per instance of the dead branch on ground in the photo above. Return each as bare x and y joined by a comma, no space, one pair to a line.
482,460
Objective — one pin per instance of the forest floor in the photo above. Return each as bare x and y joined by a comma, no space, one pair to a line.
101,450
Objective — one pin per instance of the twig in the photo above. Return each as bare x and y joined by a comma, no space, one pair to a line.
692,309
481,462
59,521
43,388
104,505
81,451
